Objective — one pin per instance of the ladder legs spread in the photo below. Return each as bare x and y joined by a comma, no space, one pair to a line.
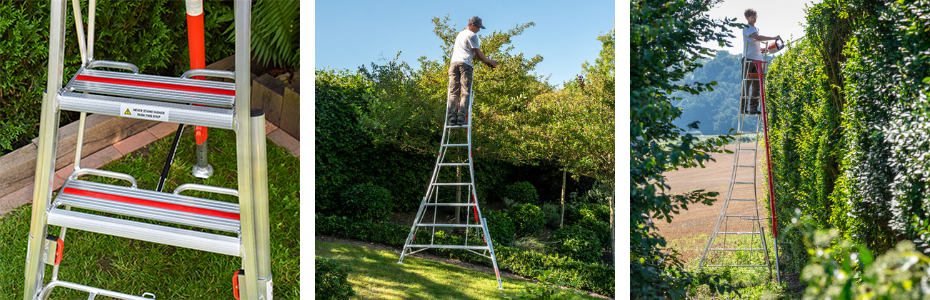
222,105
453,154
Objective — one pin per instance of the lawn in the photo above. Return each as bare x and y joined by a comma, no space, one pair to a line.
375,274
135,267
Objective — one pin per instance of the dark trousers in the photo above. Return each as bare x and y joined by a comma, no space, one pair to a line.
460,77
752,85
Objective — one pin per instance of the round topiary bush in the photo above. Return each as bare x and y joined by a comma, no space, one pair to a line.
366,201
596,218
577,242
500,226
527,219
521,192
332,279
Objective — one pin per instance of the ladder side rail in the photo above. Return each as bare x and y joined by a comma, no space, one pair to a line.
91,15
771,176
720,219
243,21
260,198
45,157
79,26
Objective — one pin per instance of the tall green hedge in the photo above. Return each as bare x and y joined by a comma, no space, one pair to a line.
849,124
150,34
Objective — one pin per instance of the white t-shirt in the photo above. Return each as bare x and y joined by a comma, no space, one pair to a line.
464,43
755,52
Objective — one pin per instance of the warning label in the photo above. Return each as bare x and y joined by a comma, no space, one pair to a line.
144,112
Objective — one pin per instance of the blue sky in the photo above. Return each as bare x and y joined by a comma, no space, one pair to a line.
350,34
783,17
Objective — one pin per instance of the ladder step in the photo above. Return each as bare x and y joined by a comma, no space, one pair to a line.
743,200
448,225
747,149
454,164
151,205
213,117
738,232
744,266
449,247
746,166
452,183
735,216
450,204
455,145
457,126
736,249
145,232
153,87
742,182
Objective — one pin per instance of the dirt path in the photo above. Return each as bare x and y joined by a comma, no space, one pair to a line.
689,230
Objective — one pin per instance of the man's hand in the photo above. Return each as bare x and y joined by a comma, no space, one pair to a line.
492,63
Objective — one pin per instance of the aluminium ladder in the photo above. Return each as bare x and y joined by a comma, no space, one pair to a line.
432,200
243,225
713,253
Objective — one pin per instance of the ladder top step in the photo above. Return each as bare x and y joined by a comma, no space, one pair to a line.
214,117
153,87
457,126
151,205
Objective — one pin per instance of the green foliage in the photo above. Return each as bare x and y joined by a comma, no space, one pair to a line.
598,278
550,289
665,39
527,219
531,243
276,32
553,214
332,279
500,227
714,110
521,192
366,201
577,242
597,219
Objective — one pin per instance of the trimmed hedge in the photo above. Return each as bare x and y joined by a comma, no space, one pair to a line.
366,201
521,192
527,218
588,276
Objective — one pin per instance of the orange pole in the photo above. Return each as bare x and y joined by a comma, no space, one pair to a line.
196,47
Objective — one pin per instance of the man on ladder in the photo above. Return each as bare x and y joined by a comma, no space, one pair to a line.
753,52
461,70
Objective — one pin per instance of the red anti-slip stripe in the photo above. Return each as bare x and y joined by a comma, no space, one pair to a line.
131,200
166,86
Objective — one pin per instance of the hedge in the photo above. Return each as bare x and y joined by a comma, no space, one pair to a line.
594,277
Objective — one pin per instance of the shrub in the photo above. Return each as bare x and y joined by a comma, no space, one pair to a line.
527,219
553,213
578,243
597,219
500,226
332,279
521,192
366,201
530,243
594,277
600,193
549,289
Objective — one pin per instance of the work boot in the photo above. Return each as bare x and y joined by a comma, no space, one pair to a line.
453,120
754,111
462,119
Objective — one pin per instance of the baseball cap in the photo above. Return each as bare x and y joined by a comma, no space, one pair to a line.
475,20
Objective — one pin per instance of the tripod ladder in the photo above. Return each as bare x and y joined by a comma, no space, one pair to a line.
433,202
242,228
742,225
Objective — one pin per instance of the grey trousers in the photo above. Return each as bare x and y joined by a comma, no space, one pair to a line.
460,78
752,88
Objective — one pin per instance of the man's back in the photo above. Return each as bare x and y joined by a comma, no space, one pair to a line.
464,43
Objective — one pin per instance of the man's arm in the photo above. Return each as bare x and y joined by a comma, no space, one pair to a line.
760,38
480,56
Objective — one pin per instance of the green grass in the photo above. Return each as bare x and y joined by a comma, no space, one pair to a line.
135,267
751,283
375,274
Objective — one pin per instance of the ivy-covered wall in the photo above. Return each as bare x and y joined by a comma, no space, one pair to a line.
850,124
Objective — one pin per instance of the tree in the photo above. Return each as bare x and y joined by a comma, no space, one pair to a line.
665,41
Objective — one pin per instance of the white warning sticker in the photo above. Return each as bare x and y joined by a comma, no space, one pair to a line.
146,112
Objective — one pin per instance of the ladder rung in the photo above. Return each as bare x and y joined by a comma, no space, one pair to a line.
452,183
449,247
145,232
747,149
450,204
736,249
453,164
457,126
746,166
742,199
738,232
154,87
146,204
743,266
214,117
455,145
742,182
734,216
448,225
